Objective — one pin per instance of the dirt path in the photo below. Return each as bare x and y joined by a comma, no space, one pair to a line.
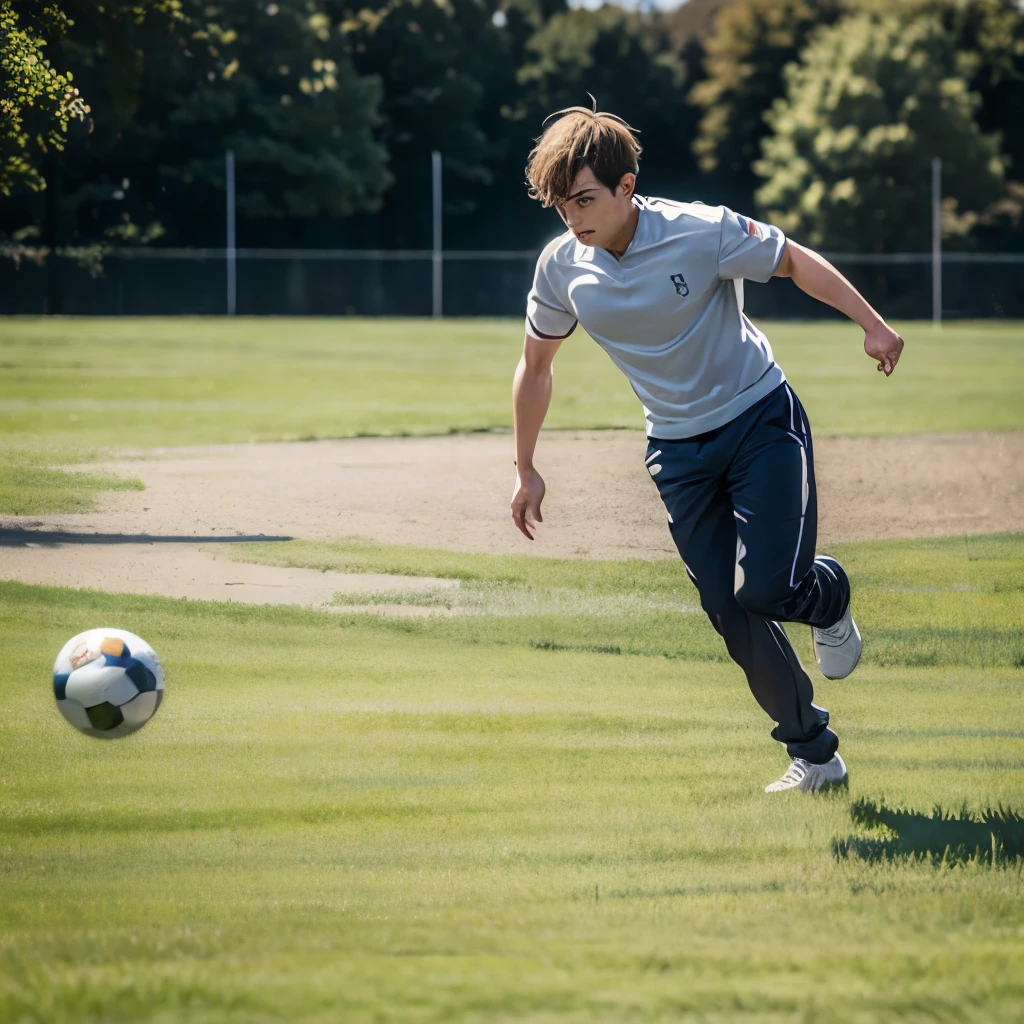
453,492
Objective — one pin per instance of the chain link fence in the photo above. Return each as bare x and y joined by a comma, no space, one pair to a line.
338,282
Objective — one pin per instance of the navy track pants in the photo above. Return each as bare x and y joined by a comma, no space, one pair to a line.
743,513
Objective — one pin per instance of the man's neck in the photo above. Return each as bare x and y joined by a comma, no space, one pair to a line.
620,244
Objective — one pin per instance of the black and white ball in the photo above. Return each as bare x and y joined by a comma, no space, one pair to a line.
108,682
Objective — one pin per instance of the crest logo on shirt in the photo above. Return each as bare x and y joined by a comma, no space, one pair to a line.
682,288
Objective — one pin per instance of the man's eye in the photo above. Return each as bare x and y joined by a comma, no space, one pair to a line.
583,201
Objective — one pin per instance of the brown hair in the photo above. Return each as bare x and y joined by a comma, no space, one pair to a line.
580,138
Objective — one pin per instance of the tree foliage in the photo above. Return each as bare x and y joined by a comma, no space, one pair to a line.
991,33
171,91
872,101
750,45
629,67
332,109
105,43
693,20
37,101
446,68
299,118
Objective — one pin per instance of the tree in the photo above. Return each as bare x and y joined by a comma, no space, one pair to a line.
990,34
447,67
693,19
997,28
750,44
73,28
173,85
873,99
37,101
104,44
298,116
627,63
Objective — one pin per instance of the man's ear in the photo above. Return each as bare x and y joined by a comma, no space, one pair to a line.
627,184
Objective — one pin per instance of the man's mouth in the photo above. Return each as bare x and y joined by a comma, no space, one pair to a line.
583,235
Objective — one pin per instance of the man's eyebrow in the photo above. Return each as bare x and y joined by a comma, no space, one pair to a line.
576,195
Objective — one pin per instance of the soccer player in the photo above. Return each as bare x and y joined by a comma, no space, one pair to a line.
659,286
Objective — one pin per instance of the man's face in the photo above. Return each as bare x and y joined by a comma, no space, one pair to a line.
593,213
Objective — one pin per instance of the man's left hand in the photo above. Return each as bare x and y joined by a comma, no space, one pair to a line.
881,342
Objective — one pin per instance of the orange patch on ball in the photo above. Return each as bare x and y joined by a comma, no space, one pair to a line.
113,646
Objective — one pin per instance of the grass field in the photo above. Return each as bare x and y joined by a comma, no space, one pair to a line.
543,804
70,388
342,817
124,382
942,601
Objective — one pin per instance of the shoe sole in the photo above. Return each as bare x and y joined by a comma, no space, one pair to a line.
833,786
856,661
829,786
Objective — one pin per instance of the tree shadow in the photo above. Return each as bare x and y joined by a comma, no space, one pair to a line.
18,538
988,836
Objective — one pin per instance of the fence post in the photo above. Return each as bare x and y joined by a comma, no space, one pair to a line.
438,262
229,174
936,239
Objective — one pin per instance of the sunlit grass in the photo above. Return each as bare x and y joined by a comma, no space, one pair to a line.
33,480
174,381
72,386
341,817
545,805
31,490
943,601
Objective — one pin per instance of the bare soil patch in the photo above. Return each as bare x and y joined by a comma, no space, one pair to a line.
453,492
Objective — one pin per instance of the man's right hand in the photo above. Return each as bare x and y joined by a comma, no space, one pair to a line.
526,499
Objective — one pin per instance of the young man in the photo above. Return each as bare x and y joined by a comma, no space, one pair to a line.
659,286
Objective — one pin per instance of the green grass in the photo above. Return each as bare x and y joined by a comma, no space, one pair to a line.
97,382
482,817
72,387
31,489
944,601
341,817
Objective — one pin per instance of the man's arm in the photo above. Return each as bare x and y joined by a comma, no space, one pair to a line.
531,396
817,277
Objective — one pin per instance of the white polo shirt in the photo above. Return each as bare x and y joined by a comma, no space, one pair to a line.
670,312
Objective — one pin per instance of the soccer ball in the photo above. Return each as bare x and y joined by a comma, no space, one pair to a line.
108,682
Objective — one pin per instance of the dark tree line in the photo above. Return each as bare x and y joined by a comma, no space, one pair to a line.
822,114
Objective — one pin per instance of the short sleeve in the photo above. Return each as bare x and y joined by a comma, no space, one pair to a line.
748,249
546,316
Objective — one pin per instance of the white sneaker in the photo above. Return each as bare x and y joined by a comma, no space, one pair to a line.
837,649
809,777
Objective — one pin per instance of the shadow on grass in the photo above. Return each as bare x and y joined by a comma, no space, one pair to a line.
989,836
15,538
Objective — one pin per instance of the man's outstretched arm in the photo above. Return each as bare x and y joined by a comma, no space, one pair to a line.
531,395
817,277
